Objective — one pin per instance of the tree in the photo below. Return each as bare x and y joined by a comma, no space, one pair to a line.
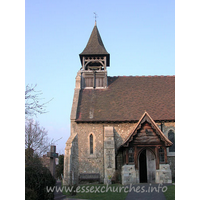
36,137
33,105
37,143
37,178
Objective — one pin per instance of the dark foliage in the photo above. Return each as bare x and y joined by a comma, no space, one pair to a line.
37,178
30,194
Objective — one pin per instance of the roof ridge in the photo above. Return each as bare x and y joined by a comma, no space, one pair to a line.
143,76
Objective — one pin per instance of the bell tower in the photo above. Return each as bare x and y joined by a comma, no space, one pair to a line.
95,60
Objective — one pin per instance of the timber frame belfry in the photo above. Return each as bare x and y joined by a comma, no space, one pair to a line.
94,59
148,139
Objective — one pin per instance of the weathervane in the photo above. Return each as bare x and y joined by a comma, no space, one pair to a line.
95,16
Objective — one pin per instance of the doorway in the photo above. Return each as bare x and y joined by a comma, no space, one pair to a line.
147,166
143,167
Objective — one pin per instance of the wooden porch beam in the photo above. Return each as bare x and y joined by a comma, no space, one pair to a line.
157,157
135,157
127,156
165,153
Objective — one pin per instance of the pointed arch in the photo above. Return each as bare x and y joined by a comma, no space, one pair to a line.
91,144
145,148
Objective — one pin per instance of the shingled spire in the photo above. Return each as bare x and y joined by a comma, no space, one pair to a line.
95,47
94,60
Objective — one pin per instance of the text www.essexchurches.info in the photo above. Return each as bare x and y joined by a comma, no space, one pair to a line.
108,188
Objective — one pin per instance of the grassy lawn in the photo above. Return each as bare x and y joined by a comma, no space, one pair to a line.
170,193
99,192
104,192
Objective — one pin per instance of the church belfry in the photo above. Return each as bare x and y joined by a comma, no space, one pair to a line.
94,59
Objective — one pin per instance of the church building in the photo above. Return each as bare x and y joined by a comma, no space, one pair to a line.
122,127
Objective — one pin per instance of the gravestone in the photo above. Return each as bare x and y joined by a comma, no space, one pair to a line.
53,155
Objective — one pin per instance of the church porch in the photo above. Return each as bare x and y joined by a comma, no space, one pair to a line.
144,154
149,167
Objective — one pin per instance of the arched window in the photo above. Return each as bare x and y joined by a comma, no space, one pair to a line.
172,139
91,144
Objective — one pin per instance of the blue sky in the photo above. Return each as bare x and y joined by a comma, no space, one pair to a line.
139,35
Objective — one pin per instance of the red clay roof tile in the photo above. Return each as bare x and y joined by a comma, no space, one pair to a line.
127,98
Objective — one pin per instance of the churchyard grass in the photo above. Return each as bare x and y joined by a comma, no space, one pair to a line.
98,192
170,193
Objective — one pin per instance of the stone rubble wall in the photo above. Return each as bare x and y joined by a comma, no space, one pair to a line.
71,160
77,154
129,175
163,175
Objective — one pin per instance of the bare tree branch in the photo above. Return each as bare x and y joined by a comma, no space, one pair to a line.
33,104
36,137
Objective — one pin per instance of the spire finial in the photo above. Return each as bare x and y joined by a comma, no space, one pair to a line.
95,16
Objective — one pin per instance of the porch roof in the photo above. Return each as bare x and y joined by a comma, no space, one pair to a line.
146,117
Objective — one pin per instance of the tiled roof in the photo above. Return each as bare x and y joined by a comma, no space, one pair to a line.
95,46
127,98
